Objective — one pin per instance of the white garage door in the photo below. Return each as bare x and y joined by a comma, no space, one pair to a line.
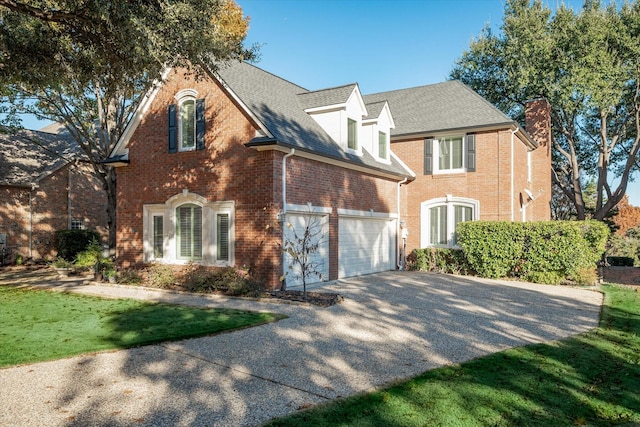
317,227
366,245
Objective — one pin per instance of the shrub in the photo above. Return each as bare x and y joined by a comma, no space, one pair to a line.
161,276
92,258
440,260
492,248
130,277
69,243
543,252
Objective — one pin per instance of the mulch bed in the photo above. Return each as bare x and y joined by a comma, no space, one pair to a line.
322,299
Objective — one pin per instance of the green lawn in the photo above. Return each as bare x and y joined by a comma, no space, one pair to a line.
589,380
37,325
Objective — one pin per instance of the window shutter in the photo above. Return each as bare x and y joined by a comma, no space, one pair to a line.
428,156
471,153
200,124
173,129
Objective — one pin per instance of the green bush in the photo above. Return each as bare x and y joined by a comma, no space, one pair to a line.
543,252
69,243
492,248
439,260
92,258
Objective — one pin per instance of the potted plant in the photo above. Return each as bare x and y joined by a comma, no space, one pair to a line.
92,258
62,266
110,274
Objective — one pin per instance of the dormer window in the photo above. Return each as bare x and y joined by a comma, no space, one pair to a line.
186,122
383,143
352,134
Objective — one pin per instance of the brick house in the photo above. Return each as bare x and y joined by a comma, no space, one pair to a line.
45,186
223,170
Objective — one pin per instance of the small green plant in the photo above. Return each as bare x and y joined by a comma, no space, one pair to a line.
92,258
60,262
130,277
18,259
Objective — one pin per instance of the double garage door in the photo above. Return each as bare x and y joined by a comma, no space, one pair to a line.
365,245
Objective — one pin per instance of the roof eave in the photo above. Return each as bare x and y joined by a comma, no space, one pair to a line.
262,144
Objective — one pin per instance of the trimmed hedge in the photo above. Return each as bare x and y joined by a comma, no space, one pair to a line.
543,252
70,243
441,260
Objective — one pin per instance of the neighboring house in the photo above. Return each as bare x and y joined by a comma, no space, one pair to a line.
216,171
44,187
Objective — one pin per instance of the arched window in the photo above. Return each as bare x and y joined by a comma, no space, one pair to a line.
187,126
186,122
440,217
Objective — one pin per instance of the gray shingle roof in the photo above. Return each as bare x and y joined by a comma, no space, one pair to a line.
28,156
438,107
325,97
374,109
276,103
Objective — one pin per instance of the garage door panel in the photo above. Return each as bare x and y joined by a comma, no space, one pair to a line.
365,246
319,225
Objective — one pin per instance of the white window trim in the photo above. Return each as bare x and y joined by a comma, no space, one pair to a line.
436,155
450,202
210,210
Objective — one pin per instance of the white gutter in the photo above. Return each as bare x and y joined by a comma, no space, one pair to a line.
284,181
513,132
400,262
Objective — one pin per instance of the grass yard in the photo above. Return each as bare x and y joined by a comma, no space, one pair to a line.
38,325
592,379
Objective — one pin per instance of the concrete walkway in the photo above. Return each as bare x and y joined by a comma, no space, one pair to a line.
390,326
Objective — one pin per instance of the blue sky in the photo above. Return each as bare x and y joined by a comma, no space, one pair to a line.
380,44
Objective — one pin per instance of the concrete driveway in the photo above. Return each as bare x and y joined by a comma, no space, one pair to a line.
390,326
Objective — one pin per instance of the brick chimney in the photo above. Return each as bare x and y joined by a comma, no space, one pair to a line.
538,121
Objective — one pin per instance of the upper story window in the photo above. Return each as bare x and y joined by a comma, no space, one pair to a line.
352,134
451,154
187,126
186,122
383,143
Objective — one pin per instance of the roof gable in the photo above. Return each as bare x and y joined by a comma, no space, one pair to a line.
439,107
28,156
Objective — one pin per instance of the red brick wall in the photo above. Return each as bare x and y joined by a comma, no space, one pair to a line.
538,117
490,184
227,170
48,210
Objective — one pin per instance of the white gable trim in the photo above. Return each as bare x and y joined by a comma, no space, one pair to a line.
141,111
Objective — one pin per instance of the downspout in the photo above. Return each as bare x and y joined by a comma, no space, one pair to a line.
69,198
513,132
33,187
284,181
400,253
282,217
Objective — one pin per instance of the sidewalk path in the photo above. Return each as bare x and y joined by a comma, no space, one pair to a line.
390,326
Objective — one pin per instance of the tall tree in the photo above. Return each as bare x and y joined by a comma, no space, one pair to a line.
587,64
88,63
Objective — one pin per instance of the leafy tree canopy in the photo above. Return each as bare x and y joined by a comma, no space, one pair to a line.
88,63
587,64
